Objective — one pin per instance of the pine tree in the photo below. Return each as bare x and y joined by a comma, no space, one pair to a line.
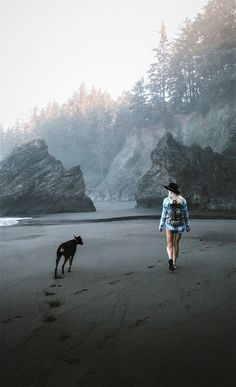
183,76
158,76
139,104
217,46
83,99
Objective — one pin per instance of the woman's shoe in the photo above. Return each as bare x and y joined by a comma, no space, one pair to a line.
171,266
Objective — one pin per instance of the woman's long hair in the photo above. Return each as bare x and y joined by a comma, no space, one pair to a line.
174,196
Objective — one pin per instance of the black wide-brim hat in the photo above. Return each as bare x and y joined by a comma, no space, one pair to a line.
173,188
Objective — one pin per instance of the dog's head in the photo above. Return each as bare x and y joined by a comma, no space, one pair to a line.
79,240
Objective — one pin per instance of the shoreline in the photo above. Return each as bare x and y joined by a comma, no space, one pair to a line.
193,216
132,214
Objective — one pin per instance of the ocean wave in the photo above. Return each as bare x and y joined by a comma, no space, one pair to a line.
10,221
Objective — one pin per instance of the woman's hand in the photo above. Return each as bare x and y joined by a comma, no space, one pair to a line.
187,228
160,229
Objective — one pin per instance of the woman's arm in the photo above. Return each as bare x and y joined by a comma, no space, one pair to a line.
186,215
163,215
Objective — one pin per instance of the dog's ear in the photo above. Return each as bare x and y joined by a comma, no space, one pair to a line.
75,237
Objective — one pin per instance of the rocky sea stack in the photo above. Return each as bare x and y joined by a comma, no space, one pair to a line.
32,182
206,178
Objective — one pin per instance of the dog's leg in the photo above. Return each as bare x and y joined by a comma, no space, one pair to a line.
57,261
70,263
62,269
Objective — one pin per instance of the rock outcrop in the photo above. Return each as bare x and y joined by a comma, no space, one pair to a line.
128,166
34,182
207,179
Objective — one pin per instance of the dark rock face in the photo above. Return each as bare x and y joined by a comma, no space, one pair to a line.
206,179
34,182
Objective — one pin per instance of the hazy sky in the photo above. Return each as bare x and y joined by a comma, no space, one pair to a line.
48,47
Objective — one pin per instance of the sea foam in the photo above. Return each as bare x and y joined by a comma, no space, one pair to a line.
10,221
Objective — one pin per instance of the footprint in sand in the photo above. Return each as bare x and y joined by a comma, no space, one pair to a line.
161,304
11,319
189,292
103,343
129,273
49,319
187,306
54,285
114,282
201,283
54,304
8,321
151,266
81,291
140,322
63,337
228,275
49,294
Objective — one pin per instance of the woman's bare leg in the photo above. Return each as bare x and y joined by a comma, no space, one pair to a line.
176,240
170,243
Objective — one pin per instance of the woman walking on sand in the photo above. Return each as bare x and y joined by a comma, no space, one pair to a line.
176,220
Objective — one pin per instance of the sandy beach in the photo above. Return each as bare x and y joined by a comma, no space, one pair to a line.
120,318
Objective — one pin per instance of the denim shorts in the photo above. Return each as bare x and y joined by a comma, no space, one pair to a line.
177,230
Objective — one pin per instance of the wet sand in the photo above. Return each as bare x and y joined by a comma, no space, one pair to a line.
120,318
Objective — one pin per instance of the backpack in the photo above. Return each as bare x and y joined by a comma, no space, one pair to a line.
175,216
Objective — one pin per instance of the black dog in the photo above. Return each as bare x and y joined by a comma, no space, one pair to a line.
68,249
